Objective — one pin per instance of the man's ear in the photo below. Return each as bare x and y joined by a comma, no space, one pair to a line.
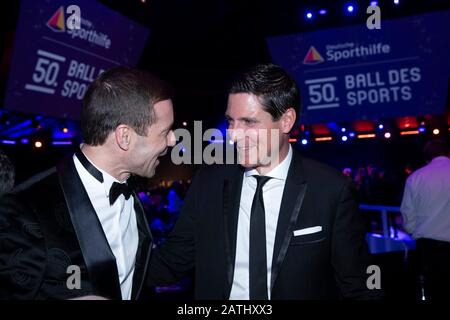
123,135
288,120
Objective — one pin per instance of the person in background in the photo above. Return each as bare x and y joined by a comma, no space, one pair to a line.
348,173
425,210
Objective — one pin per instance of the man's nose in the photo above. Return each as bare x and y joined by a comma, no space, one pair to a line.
236,134
171,139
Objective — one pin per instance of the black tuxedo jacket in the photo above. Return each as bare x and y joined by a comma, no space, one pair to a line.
324,265
47,224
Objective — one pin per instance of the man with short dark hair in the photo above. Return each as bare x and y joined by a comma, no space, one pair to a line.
276,226
7,174
426,215
79,229
436,148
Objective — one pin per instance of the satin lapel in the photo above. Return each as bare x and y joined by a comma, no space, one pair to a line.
97,254
232,187
293,194
144,248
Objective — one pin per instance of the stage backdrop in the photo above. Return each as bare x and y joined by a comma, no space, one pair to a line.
353,73
52,65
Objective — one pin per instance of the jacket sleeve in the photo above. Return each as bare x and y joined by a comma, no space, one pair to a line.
22,250
176,257
350,254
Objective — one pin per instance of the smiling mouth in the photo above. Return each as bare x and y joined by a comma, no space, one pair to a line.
245,148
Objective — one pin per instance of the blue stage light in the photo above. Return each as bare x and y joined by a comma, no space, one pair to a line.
8,142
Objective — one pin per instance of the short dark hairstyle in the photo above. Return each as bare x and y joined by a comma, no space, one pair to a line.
7,174
120,95
436,148
273,86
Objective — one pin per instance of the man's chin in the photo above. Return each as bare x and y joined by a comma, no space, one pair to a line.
246,158
247,164
147,174
151,173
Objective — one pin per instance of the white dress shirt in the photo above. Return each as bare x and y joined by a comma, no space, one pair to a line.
118,222
272,194
426,201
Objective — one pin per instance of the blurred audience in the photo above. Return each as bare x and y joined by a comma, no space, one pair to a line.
162,205
375,186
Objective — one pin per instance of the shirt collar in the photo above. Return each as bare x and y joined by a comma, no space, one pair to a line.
280,172
108,179
440,158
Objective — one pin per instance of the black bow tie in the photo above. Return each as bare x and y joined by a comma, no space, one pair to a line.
117,189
